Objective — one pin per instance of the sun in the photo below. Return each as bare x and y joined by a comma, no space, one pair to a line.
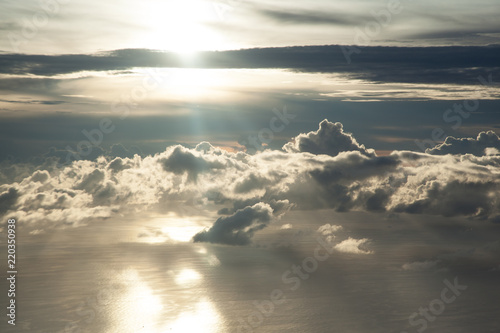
181,26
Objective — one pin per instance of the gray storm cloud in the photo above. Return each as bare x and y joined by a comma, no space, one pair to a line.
238,228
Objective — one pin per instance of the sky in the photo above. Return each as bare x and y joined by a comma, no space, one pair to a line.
250,166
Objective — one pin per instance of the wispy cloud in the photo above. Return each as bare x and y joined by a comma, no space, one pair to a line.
312,17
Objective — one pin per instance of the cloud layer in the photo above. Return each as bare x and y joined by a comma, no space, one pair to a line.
326,168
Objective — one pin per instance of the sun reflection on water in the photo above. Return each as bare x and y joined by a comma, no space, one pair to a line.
187,277
174,304
138,309
171,229
202,318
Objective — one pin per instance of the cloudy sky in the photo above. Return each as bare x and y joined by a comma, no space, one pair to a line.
251,166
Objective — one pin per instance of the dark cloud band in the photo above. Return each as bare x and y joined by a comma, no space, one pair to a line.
450,64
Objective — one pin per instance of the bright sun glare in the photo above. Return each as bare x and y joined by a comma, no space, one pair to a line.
172,228
180,26
140,309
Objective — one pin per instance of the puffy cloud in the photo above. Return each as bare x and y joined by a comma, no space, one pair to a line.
253,181
182,160
328,231
352,245
420,265
248,190
91,181
329,139
238,228
118,164
491,151
8,199
40,176
11,173
486,143
341,177
455,197
449,185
